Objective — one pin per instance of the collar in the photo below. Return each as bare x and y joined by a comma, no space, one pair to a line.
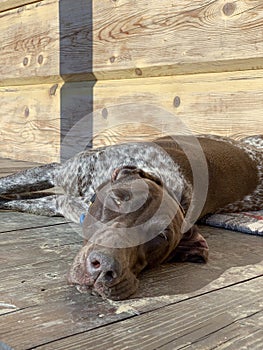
91,201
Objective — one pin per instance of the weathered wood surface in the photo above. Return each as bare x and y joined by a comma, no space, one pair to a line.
40,41
229,104
9,166
29,44
226,104
180,325
11,4
46,43
30,122
161,38
110,40
36,118
10,223
48,308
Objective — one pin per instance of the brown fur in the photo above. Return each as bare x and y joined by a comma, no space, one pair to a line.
234,175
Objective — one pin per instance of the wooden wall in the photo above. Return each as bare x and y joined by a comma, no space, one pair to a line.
201,61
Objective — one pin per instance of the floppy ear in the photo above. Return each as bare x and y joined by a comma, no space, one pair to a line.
192,247
129,170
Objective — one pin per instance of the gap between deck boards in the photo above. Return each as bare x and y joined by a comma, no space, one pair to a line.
180,325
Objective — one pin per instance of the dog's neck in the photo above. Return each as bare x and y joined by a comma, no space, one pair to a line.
96,167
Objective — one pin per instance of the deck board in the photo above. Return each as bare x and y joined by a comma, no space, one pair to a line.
175,326
14,222
178,306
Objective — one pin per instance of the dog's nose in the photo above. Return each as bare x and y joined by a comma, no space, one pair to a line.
103,268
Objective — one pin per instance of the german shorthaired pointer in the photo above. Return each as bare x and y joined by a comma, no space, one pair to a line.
133,200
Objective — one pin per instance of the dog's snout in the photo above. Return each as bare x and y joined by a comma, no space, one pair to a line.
103,268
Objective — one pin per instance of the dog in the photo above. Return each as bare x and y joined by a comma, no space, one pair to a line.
133,201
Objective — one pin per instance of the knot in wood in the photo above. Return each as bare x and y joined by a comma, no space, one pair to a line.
105,113
40,59
25,61
229,8
177,101
26,112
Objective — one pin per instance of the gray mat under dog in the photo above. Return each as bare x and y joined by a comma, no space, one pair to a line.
246,222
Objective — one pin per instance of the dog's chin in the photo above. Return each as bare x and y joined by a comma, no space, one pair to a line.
120,291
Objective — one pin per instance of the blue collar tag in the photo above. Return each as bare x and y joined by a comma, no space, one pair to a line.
82,218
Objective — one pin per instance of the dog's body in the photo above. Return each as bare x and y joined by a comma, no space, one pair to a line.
234,183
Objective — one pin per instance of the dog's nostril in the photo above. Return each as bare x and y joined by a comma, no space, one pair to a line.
103,268
95,264
109,276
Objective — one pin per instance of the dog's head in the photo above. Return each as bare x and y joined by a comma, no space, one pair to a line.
133,223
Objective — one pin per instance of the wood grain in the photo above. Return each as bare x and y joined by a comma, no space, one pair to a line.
161,38
11,4
30,123
36,118
227,104
46,42
50,41
51,120
246,334
29,44
43,309
114,40
178,325
8,166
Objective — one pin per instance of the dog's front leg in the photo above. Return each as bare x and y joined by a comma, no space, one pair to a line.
52,205
46,206
192,247
34,179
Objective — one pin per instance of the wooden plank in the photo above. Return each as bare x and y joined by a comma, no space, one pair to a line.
11,221
9,166
11,4
44,42
35,285
225,104
82,40
36,118
36,325
39,241
30,122
243,334
38,290
40,117
47,306
178,325
76,118
30,44
40,274
161,286
234,257
159,38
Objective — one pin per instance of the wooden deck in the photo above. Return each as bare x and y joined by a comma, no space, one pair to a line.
178,306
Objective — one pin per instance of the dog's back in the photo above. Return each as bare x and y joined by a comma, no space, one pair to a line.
234,167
